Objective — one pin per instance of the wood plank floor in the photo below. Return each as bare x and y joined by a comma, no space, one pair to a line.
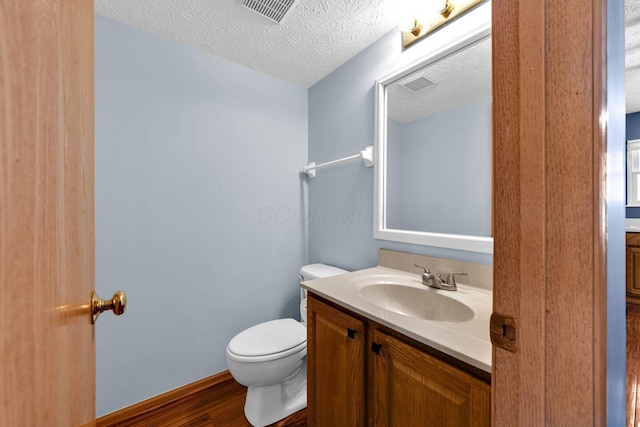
633,364
228,411
216,401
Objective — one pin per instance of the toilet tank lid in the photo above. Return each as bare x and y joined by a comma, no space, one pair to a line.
318,271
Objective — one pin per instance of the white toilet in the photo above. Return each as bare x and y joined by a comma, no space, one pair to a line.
271,360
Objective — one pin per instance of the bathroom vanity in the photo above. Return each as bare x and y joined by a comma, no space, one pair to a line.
379,354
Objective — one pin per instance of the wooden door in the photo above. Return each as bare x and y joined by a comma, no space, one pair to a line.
411,388
549,209
47,356
336,367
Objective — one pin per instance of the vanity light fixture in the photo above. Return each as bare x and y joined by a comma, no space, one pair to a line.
429,15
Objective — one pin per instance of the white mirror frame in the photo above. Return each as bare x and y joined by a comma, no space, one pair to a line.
442,240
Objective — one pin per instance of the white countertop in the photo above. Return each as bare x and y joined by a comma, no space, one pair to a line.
467,341
632,225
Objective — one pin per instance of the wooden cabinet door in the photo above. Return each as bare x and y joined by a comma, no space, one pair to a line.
47,356
411,388
633,270
633,267
335,366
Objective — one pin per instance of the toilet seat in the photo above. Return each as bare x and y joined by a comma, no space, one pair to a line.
268,341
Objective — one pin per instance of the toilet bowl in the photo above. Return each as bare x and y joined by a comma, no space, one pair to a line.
270,359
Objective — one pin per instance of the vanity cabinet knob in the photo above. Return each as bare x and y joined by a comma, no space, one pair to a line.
351,333
375,347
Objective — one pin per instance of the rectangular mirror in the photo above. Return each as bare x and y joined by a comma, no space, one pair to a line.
433,150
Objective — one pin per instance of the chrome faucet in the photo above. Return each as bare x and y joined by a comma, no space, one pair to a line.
436,281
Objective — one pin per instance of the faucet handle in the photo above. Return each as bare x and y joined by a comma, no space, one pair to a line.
451,277
426,270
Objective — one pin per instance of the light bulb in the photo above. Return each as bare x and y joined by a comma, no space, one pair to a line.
429,9
408,11
405,14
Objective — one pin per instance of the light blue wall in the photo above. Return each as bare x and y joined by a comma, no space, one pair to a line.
198,218
445,170
615,199
341,123
633,125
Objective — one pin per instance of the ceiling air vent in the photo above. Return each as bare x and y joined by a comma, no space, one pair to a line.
417,83
274,10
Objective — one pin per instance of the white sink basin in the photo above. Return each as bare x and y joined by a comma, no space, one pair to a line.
416,302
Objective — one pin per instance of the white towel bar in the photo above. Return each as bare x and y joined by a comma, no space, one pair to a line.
366,155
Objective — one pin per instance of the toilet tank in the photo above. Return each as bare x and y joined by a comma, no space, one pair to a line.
310,272
319,271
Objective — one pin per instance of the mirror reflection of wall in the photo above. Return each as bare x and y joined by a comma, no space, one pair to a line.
439,146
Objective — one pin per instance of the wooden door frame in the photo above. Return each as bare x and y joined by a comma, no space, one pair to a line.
550,208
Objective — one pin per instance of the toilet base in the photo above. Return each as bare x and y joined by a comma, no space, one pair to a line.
267,404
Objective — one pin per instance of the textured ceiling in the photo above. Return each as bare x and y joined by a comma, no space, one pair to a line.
632,60
314,39
461,77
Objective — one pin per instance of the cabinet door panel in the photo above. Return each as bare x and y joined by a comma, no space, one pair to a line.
336,367
633,270
412,388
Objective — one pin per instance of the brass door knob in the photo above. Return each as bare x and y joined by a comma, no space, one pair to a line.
117,304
